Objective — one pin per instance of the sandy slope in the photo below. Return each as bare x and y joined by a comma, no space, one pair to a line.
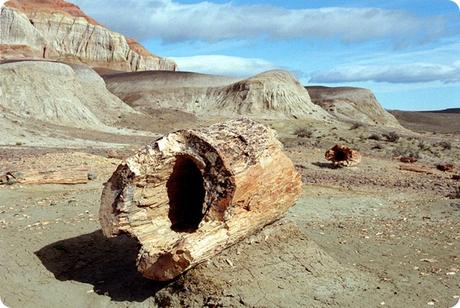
436,121
273,94
44,103
352,105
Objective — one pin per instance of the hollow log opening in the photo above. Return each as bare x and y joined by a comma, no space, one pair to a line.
340,155
186,195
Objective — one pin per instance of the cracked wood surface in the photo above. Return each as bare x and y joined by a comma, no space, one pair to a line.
192,193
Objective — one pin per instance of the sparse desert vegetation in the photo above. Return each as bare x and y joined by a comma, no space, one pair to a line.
303,133
391,136
121,184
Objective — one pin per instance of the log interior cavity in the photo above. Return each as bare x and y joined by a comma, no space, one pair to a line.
186,195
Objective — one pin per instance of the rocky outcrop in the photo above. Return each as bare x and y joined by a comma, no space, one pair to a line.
273,94
56,93
57,30
18,37
352,105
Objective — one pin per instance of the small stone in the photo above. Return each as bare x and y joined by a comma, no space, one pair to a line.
11,180
92,176
428,260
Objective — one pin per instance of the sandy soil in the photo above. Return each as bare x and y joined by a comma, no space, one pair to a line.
367,236
440,121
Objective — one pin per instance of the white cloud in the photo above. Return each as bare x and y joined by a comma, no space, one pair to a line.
174,21
223,65
404,73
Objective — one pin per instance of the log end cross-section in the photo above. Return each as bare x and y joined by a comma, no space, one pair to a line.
192,193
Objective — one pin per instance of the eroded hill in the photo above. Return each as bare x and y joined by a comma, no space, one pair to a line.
272,94
352,105
58,30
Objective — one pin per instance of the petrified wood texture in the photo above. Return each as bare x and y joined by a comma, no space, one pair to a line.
192,193
66,177
343,156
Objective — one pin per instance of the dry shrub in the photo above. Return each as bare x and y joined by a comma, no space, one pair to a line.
392,137
356,125
375,137
455,194
303,133
423,146
408,159
445,145
406,152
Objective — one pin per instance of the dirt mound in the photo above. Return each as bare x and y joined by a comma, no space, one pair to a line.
279,267
53,104
58,93
352,105
55,29
273,94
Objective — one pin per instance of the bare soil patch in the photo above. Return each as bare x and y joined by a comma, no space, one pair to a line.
365,236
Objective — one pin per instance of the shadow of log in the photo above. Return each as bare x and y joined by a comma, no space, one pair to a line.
108,264
326,165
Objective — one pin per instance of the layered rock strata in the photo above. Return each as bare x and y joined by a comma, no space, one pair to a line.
57,30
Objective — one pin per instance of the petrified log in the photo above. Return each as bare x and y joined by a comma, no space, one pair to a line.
66,177
445,167
192,193
343,156
416,168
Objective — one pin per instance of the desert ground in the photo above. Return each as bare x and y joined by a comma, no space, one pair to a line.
77,99
366,236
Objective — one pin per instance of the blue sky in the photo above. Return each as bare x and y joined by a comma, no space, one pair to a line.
407,52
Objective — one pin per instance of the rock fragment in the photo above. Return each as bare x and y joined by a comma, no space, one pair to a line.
343,156
445,167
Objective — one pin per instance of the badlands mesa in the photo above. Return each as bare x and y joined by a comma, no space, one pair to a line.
78,101
109,77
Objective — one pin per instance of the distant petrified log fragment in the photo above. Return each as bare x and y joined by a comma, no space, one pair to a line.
341,155
416,168
65,177
192,193
445,167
